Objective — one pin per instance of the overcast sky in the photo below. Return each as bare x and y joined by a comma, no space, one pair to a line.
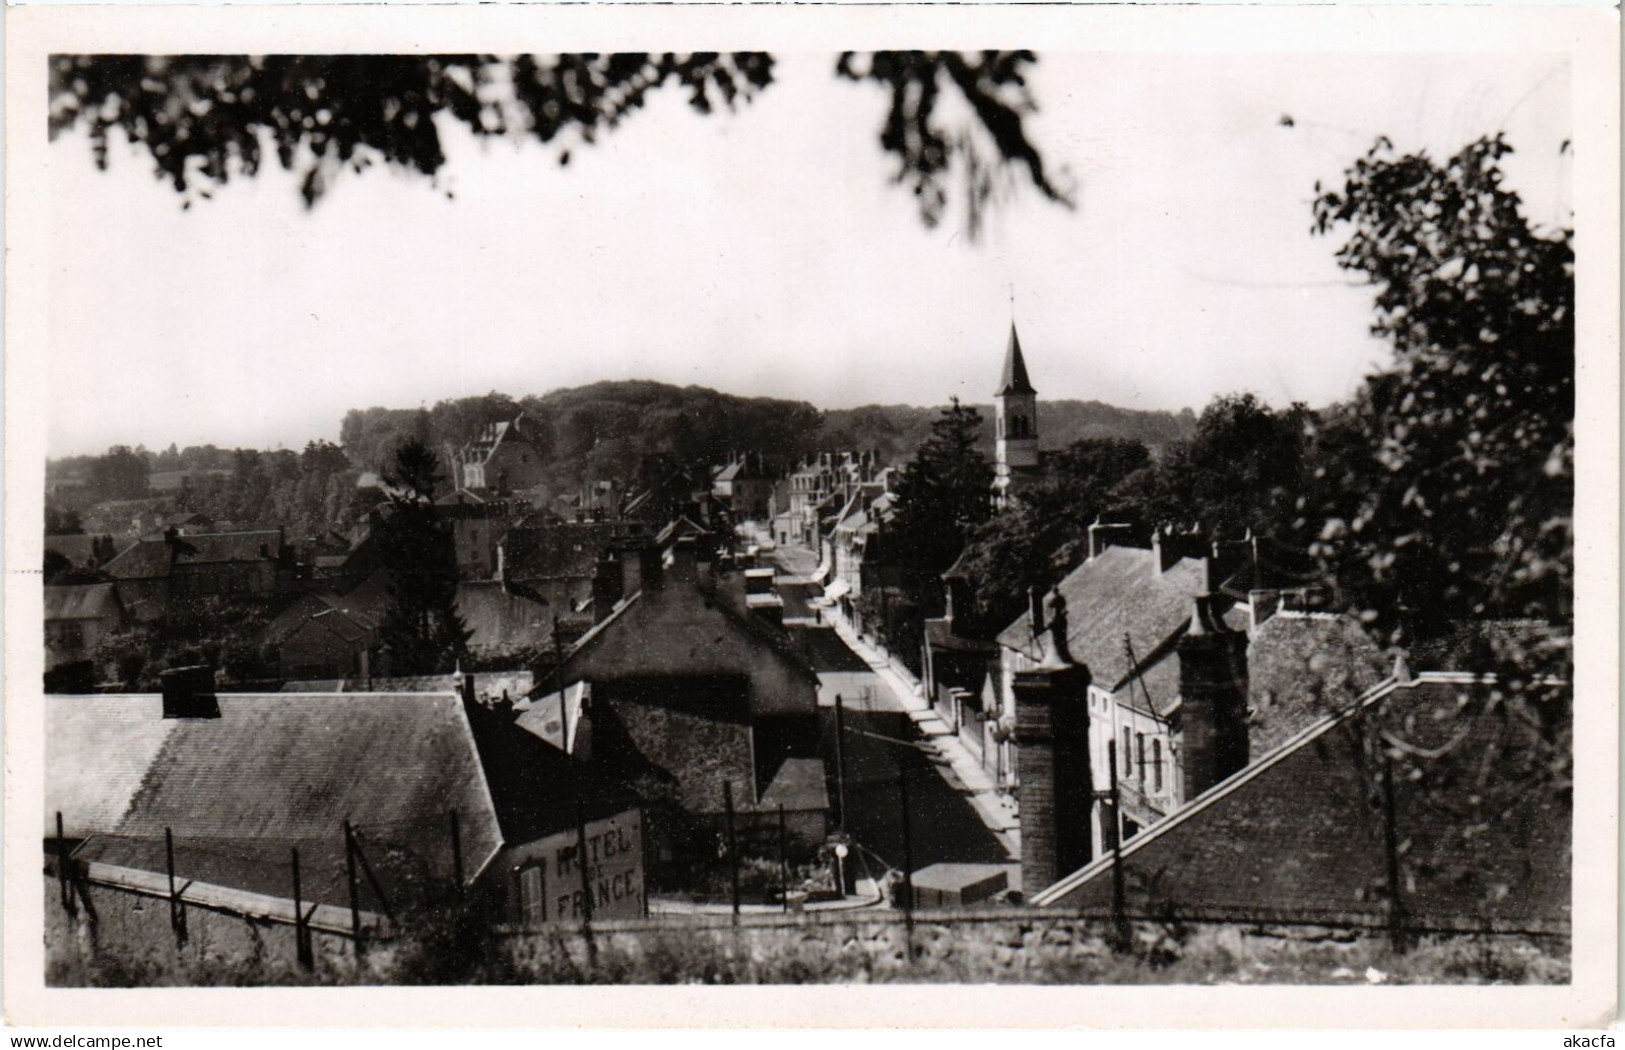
767,252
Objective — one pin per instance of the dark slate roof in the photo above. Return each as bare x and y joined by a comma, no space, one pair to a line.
534,785
689,642
1014,378
84,601
368,601
940,635
206,548
498,619
1157,677
1118,592
1293,838
274,771
146,559
568,550
799,784
1477,646
79,549
351,621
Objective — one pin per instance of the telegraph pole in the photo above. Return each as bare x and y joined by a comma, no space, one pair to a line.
840,762
1120,926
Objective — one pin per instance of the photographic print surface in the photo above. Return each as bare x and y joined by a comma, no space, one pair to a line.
1067,516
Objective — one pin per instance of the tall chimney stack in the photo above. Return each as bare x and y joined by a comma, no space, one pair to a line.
1056,787
1213,699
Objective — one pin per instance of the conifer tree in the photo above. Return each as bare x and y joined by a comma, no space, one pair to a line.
422,628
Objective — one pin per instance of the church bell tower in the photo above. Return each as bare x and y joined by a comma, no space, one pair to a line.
1015,422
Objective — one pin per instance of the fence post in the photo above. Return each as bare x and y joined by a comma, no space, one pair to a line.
733,844
456,852
840,763
1120,927
908,867
1396,905
355,889
177,915
301,943
68,904
784,863
581,862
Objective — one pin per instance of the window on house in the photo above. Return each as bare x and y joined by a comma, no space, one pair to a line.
1128,759
1139,754
1156,765
532,896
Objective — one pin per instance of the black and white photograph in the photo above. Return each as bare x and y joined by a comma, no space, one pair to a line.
1074,515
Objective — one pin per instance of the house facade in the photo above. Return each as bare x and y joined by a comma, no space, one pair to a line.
77,618
690,691
503,458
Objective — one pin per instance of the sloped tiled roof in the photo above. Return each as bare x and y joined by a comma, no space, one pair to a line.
1157,677
84,601
567,550
799,784
1302,667
1118,592
145,560
273,771
498,619
79,549
1294,837
349,620
217,547
1476,646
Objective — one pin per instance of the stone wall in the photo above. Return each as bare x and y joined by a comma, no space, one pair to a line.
120,938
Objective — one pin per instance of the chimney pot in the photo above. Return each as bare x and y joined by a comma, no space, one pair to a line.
1213,699
188,692
1035,607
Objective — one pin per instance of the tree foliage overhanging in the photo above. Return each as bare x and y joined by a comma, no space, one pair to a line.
1456,501
204,118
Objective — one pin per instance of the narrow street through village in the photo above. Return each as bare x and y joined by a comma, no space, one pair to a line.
955,815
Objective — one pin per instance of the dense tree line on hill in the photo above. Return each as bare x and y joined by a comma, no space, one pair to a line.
630,431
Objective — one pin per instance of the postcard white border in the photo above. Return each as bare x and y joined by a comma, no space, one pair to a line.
1589,35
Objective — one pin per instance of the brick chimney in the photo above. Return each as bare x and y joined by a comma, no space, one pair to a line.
1052,760
1228,557
685,560
1213,699
606,584
189,692
1172,543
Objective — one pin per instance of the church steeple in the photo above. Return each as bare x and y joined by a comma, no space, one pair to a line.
1014,380
1015,422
